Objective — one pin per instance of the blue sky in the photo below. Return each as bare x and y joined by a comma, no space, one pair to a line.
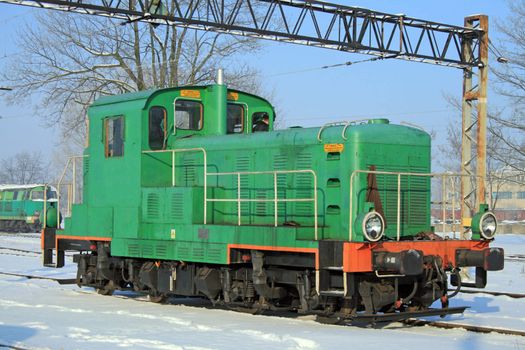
398,90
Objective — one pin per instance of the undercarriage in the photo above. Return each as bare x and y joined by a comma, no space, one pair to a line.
263,281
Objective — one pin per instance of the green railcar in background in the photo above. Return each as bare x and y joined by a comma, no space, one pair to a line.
190,191
22,207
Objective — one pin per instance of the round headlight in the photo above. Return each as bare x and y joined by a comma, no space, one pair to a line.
488,225
373,226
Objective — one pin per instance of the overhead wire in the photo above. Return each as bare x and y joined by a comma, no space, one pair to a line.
343,64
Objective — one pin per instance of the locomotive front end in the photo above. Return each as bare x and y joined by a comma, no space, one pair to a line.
393,259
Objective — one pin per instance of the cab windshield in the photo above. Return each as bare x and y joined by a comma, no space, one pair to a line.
39,195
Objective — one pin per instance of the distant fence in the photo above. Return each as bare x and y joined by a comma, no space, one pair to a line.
517,228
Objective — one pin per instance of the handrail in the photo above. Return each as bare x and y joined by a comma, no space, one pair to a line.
275,199
399,174
71,195
187,150
352,123
327,125
345,123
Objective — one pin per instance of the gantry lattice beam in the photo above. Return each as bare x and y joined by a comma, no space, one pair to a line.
312,23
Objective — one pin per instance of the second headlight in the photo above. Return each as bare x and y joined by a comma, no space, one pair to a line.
373,226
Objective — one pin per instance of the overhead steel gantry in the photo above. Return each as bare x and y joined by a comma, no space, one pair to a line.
338,27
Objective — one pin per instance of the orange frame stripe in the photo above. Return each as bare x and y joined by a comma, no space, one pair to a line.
84,238
276,249
80,238
357,257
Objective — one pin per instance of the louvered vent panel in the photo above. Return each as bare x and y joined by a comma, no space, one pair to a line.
189,170
133,249
161,250
415,193
176,207
242,163
86,170
183,253
214,255
304,185
147,249
280,162
153,206
198,253
260,207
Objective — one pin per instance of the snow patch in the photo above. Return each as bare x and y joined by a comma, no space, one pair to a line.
36,325
296,342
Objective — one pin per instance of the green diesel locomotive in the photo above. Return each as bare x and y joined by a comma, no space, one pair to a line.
22,207
189,191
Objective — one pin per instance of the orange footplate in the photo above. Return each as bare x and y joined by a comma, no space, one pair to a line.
357,257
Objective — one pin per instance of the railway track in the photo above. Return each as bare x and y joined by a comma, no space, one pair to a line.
497,294
18,252
21,235
411,321
468,327
24,252
515,257
58,280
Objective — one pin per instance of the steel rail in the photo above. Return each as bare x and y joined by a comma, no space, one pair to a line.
468,327
497,294
304,22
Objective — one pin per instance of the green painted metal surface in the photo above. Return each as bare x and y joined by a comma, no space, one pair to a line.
154,209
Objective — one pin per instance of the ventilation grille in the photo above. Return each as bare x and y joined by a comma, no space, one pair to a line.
415,196
176,207
86,170
304,185
133,249
147,249
214,255
260,207
183,253
280,162
242,163
198,253
153,206
161,251
189,170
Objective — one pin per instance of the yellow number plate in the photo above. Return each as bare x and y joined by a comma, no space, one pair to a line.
334,148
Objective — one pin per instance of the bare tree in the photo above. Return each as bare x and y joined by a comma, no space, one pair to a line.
70,60
508,127
23,168
498,153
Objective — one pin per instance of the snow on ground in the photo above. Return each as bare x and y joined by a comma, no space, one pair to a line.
40,314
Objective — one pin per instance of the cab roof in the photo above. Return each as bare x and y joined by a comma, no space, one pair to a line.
147,94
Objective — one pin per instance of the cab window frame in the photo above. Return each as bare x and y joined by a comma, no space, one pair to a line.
165,127
201,116
244,109
106,140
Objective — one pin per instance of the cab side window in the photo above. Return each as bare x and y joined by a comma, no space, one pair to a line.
157,128
114,137
260,122
37,195
235,119
188,115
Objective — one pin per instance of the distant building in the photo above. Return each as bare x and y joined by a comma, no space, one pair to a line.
508,196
